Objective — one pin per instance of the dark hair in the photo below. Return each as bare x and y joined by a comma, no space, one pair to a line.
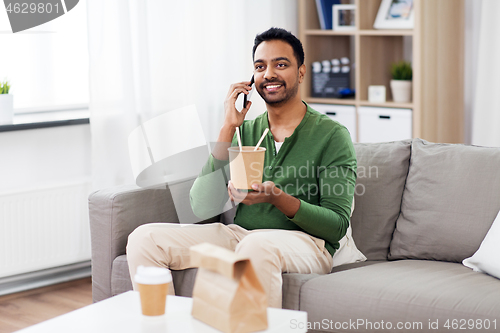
283,35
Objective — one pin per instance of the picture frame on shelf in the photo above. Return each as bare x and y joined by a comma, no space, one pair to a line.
395,14
376,94
343,17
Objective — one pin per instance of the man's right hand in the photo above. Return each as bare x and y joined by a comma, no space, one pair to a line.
233,117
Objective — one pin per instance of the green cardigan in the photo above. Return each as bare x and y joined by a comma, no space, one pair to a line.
316,164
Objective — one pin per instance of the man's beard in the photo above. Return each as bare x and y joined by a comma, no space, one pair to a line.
289,93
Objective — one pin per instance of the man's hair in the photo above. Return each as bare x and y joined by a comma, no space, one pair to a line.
283,35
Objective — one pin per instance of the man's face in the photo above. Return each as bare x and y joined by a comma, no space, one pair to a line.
276,74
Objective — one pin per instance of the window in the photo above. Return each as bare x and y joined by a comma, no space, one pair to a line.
47,65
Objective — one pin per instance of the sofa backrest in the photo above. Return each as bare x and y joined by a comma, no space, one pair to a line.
381,176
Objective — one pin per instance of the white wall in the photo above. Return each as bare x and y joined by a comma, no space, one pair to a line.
44,185
472,25
44,157
48,64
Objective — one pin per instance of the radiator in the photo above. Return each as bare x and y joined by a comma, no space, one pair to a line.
44,227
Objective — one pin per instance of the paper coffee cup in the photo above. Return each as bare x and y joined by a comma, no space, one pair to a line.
152,283
246,167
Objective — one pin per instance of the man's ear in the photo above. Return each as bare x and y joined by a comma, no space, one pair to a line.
302,72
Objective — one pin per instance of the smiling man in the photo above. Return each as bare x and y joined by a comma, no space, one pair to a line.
293,221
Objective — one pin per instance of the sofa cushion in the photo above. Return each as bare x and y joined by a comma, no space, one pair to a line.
184,281
292,283
291,289
120,278
356,265
451,197
382,171
400,291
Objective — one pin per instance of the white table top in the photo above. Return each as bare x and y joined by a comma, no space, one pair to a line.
122,313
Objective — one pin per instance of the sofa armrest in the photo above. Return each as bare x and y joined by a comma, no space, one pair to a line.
114,214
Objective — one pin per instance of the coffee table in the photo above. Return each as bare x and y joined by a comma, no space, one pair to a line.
122,313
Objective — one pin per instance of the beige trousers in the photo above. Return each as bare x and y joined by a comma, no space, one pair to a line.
271,251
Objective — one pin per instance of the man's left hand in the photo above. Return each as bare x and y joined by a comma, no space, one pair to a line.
264,192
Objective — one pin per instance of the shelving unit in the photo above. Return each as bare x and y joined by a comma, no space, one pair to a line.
436,55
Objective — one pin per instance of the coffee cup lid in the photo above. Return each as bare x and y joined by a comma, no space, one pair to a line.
152,275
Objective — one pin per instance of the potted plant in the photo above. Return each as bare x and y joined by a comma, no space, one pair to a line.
401,81
6,104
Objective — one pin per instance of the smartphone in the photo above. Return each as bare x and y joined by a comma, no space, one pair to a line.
247,97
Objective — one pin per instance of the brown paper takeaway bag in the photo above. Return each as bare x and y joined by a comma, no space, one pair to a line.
227,293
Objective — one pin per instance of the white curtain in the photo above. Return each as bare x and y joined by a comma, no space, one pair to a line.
486,114
148,57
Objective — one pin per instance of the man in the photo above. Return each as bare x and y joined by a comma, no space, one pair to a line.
292,222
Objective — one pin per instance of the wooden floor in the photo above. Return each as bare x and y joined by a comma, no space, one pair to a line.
30,307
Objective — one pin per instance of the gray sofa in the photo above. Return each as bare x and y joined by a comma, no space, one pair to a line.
421,208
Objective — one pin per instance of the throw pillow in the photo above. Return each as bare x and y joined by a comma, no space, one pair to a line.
348,252
485,259
452,194
382,171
